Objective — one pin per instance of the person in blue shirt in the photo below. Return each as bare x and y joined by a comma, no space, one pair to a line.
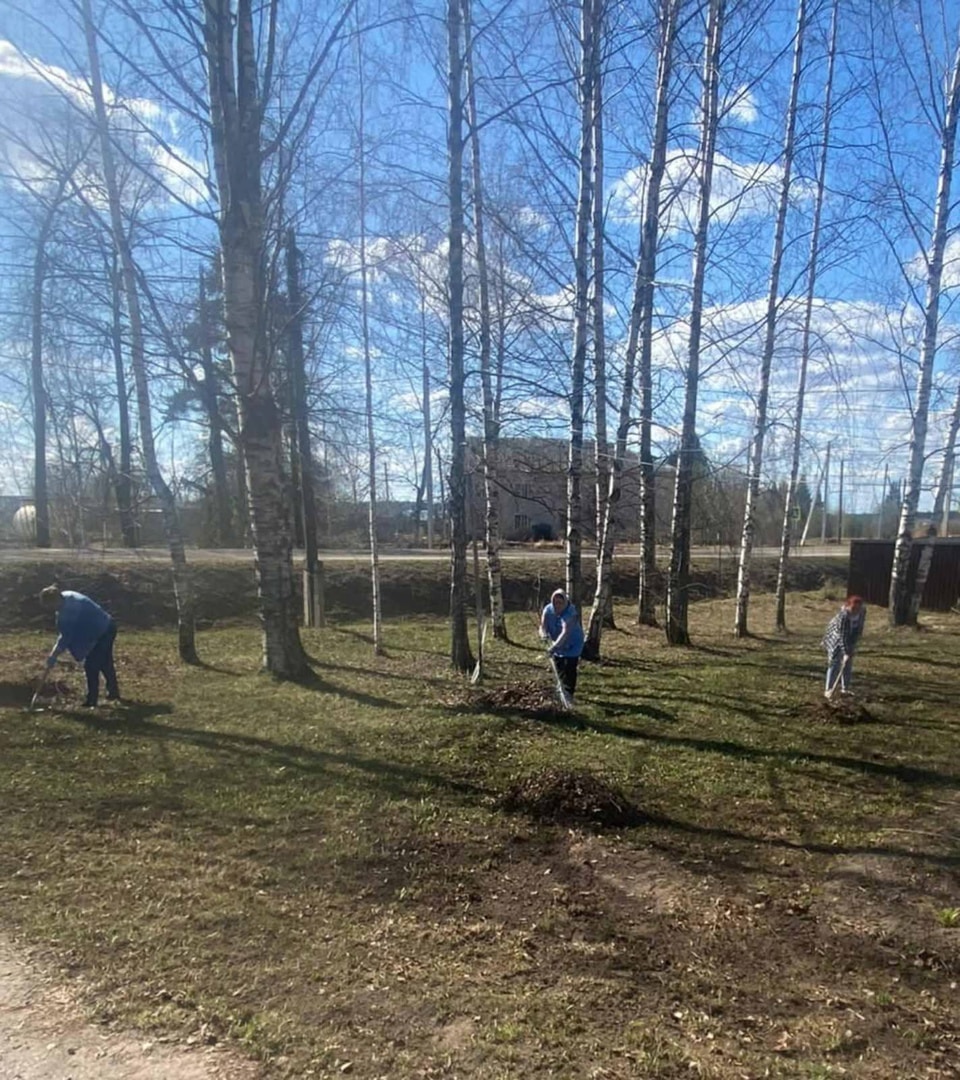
88,633
560,625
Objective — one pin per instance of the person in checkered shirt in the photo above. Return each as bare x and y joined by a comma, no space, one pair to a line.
842,636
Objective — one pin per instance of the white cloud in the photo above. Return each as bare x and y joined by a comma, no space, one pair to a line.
46,123
739,189
863,360
741,105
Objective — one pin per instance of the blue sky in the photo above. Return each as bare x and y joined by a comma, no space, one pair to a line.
865,321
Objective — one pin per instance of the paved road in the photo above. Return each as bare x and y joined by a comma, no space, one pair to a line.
226,555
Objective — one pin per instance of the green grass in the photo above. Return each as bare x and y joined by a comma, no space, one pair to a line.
323,874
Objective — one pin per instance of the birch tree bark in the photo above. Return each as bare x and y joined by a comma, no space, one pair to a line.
769,339
902,606
491,416
123,485
38,393
790,501
581,306
640,329
368,375
211,406
602,464
313,613
236,117
678,577
460,653
182,583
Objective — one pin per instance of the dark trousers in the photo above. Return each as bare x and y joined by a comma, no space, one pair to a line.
567,670
100,659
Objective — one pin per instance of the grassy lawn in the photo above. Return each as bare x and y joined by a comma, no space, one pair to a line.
327,875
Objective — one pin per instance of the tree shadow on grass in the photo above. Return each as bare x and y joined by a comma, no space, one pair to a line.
16,695
926,661
313,681
379,673
235,748
716,832
621,708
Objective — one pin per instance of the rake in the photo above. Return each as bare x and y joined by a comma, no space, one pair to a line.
836,683
565,703
39,689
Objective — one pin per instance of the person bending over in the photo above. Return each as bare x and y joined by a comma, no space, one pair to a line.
560,625
88,632
840,641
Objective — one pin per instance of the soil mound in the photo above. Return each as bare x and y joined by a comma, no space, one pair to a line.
569,797
529,697
844,710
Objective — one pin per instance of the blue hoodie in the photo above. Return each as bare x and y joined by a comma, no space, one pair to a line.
554,624
81,623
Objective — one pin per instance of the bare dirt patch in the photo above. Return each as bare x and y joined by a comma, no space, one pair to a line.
44,1037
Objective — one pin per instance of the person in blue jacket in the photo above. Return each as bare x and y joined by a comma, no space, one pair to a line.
560,625
88,632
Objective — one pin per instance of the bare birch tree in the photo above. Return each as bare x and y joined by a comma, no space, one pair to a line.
791,494
761,421
602,464
183,585
460,653
639,333
586,79
678,577
902,606
368,369
236,113
491,415
38,391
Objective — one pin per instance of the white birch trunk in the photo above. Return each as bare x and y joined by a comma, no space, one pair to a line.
769,341
182,583
368,379
574,524
640,325
785,530
235,114
491,417
460,654
679,572
602,463
902,605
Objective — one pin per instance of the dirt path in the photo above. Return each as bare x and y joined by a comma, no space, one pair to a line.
43,1036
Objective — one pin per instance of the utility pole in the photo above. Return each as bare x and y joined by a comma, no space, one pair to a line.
840,506
428,451
883,501
823,508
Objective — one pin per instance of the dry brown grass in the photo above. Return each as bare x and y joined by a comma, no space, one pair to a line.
324,874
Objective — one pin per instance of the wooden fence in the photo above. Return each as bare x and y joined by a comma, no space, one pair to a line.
871,563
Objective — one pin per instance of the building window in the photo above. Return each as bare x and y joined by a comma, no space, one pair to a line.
521,522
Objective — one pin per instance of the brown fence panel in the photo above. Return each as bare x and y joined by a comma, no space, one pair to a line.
871,564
